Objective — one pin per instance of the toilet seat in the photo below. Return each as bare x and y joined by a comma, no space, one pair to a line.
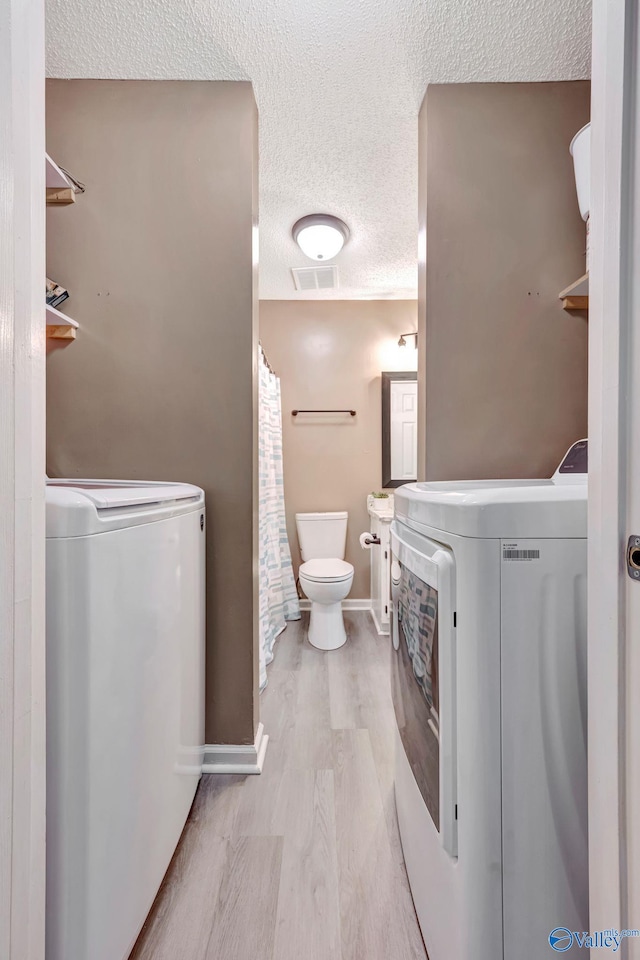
326,571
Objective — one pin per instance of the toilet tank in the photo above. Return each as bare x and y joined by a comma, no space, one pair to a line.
322,536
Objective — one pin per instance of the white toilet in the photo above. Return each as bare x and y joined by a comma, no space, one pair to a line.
325,577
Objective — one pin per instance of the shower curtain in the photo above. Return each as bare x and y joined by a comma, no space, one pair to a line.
278,595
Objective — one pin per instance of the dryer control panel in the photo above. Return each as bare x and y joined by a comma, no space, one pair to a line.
576,460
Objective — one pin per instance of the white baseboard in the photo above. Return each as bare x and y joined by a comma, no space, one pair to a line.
382,630
364,604
240,758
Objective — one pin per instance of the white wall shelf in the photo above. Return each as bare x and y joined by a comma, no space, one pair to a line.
576,296
60,190
59,326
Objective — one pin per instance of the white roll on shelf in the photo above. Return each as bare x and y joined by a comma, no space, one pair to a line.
581,152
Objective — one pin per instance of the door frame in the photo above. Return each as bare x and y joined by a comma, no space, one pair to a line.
613,318
22,431
22,470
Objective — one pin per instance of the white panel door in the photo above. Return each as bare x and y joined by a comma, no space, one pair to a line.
404,430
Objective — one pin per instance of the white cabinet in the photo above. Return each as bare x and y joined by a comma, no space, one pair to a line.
379,525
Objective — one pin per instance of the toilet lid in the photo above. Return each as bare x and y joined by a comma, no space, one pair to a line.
326,570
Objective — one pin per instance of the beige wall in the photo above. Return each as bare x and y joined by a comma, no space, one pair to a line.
331,354
505,368
160,384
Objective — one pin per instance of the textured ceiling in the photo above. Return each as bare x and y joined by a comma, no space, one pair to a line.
339,84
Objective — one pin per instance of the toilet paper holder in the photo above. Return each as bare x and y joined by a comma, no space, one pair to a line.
373,540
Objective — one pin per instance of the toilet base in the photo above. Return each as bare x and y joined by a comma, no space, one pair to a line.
326,626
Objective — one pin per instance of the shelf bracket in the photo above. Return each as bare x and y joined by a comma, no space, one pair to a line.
60,195
62,332
575,303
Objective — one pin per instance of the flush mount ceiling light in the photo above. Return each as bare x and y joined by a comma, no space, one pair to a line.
320,236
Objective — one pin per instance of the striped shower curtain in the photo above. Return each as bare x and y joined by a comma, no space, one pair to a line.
278,596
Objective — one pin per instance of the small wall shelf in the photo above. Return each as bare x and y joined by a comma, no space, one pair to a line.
576,296
59,326
59,188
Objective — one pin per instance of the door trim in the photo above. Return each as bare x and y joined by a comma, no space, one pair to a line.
613,229
22,468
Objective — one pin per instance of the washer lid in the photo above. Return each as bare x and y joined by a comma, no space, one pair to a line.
79,508
498,508
334,515
326,571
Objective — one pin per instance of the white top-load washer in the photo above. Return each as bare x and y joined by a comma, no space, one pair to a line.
489,586
125,702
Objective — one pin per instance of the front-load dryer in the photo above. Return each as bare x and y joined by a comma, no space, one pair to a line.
489,586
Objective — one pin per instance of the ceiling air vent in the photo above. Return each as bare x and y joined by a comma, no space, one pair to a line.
315,278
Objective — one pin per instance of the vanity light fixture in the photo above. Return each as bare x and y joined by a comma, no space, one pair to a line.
320,236
402,342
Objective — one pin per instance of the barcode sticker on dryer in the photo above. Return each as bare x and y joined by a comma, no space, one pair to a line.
513,552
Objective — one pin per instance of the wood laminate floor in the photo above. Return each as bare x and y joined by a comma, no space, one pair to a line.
303,862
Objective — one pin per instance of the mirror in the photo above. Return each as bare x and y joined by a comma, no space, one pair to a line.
399,428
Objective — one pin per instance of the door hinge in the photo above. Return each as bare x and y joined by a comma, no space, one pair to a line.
456,811
455,618
386,608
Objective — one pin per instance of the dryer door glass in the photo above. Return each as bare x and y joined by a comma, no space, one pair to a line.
415,681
